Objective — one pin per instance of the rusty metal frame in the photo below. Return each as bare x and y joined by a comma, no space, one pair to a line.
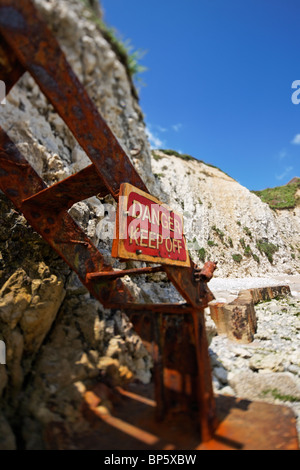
175,333
27,44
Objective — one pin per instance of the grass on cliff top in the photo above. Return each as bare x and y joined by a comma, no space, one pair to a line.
281,197
185,157
124,50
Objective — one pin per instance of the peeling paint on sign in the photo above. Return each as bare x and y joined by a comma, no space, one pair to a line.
148,230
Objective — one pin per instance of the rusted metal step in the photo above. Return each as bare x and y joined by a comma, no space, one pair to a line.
61,196
127,272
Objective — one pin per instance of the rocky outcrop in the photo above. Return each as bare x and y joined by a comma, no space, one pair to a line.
237,319
224,221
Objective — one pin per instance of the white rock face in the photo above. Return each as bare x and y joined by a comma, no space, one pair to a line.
226,219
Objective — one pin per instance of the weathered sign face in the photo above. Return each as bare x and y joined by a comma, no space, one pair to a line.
148,230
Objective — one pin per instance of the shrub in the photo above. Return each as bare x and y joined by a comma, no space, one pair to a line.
281,197
269,249
237,257
219,232
156,156
247,251
248,232
129,57
202,254
243,243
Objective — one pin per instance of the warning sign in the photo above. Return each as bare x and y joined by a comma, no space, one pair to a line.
148,230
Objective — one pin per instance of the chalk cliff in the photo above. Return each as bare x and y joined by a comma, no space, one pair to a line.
224,221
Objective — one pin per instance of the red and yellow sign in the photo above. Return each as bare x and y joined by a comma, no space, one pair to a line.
148,230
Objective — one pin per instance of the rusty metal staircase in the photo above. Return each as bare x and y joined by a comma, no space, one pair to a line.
175,332
27,44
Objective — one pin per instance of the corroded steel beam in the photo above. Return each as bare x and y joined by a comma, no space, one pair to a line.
126,272
61,196
39,52
10,68
182,372
19,181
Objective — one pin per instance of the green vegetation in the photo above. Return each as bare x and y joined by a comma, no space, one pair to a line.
247,251
211,243
230,242
194,245
281,197
269,249
278,396
183,156
187,158
124,50
219,232
248,232
156,156
202,254
237,257
243,243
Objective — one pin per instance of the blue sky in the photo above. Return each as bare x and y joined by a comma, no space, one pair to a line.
219,81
